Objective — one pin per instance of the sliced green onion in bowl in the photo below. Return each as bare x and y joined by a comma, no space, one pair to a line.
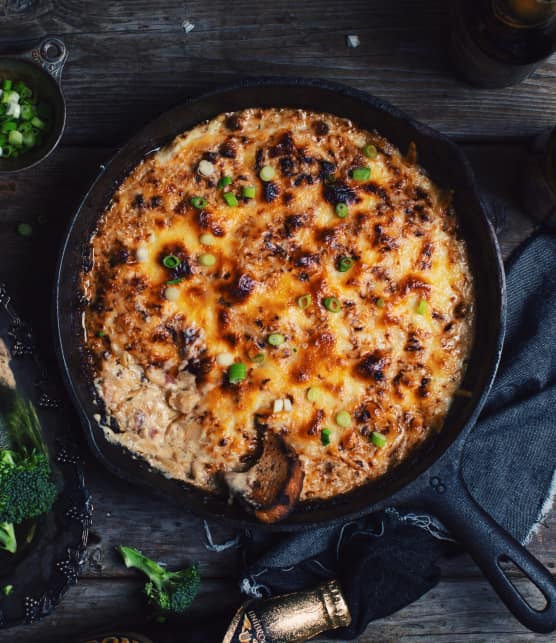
171,261
7,84
15,138
207,239
249,191
345,264
267,173
325,436
223,182
207,260
361,173
370,151
343,419
38,123
304,301
332,304
237,372
198,202
342,210
314,394
378,439
276,339
422,307
231,199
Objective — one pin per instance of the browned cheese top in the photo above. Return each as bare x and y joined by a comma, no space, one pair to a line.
160,340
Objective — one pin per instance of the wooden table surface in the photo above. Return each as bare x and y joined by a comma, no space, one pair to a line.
131,60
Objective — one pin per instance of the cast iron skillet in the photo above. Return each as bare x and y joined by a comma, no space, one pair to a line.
432,481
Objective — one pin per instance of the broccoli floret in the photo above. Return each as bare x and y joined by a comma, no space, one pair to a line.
26,486
7,537
168,591
27,489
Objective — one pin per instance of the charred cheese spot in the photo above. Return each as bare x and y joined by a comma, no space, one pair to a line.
156,360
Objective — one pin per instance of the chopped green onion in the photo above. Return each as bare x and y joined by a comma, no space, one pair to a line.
345,264
8,126
380,303
15,137
361,173
207,239
421,307
325,437
29,139
304,301
332,304
378,439
342,210
231,199
7,590
343,419
314,394
224,181
171,261
276,339
267,173
7,84
198,202
101,333
38,123
7,151
258,358
249,191
237,373
27,113
207,260
370,151
173,282
25,229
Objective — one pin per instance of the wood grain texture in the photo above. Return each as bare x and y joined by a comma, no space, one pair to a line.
125,49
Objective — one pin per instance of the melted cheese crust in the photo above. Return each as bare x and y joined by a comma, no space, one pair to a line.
392,357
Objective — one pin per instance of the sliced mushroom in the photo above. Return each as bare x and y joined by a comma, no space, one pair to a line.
271,487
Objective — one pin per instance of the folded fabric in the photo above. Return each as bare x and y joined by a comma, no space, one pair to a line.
388,560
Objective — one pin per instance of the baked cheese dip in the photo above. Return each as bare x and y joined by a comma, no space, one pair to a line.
276,270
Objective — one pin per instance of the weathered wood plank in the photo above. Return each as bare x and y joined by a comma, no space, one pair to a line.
128,63
456,611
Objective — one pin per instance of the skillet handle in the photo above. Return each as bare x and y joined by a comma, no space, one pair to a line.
50,54
488,544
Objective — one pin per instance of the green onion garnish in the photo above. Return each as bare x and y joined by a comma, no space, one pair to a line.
207,260
198,202
101,333
380,303
38,123
345,264
332,304
8,126
343,419
7,84
421,307
325,437
267,173
370,151
258,358
223,182
237,373
304,301
276,339
249,191
25,229
207,239
342,210
231,199
173,282
314,394
15,138
378,439
171,261
361,173
7,590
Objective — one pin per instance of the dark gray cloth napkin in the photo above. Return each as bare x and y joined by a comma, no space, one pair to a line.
388,560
